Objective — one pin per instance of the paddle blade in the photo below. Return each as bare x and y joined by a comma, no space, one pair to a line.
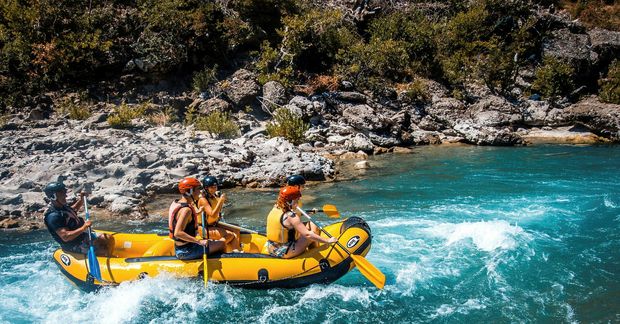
331,211
369,271
205,268
93,264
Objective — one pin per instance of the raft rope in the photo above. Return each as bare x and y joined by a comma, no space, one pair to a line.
292,276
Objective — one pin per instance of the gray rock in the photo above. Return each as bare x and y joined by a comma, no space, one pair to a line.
365,118
482,135
362,165
535,112
606,44
243,88
273,93
572,48
384,141
214,104
359,142
10,199
350,96
494,111
336,139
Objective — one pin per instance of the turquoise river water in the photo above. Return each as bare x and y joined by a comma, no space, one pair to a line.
463,234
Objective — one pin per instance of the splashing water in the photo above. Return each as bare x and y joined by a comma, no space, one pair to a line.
463,234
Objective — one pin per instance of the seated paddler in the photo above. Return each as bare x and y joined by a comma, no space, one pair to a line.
183,224
212,202
287,235
67,228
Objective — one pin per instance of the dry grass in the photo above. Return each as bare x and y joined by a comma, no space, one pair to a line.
602,14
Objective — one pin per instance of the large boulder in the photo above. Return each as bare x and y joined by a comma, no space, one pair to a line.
359,142
494,111
606,44
242,89
445,110
572,48
483,135
365,118
601,118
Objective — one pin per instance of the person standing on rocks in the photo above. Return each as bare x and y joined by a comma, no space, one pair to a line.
69,230
183,223
212,202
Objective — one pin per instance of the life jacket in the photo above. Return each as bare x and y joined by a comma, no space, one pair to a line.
173,211
276,231
212,201
72,222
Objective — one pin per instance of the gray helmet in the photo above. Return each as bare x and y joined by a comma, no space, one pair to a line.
52,188
209,181
295,180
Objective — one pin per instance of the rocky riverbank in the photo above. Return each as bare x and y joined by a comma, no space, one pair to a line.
125,167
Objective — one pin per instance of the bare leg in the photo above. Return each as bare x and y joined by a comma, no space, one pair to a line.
216,246
300,247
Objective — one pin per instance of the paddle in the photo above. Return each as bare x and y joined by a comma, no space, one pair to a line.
329,210
205,267
368,270
93,263
239,228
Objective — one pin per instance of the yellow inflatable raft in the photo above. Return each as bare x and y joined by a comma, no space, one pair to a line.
137,256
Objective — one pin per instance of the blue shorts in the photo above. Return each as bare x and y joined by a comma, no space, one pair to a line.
189,251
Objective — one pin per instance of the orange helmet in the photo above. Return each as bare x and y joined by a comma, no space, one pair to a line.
187,184
289,193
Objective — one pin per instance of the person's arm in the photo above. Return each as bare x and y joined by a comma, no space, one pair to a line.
184,215
296,222
214,213
78,204
67,235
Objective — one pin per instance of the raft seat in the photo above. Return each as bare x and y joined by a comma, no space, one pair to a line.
162,248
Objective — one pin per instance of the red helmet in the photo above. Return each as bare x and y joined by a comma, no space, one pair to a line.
289,193
187,184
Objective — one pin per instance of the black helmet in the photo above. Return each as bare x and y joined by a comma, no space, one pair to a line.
52,188
295,180
209,181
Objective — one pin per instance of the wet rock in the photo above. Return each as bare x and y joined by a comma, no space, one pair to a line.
362,165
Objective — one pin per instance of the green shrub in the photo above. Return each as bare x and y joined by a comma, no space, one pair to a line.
269,66
75,109
205,79
554,78
4,119
310,41
416,92
124,114
487,42
163,117
219,124
414,33
288,125
610,86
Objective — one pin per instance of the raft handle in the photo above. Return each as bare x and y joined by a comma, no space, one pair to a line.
263,275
